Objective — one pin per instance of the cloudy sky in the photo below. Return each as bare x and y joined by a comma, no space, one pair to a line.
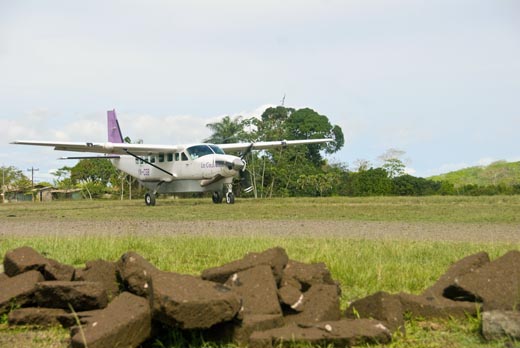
439,80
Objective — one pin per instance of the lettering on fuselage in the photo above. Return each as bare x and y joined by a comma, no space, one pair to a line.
144,171
208,165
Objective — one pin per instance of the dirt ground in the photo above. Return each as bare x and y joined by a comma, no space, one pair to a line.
421,231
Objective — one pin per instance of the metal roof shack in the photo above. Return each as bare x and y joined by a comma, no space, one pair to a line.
41,193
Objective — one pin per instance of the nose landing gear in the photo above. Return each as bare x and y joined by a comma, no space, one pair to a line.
230,196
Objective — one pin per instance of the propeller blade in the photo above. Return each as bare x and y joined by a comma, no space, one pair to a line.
245,181
248,151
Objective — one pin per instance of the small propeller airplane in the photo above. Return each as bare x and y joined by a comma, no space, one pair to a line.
173,168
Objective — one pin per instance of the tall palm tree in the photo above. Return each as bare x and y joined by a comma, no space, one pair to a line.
228,130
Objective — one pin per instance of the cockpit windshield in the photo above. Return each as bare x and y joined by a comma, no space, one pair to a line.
199,151
217,150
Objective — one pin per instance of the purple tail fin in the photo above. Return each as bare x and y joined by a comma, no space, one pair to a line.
114,132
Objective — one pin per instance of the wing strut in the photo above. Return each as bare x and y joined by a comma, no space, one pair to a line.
149,163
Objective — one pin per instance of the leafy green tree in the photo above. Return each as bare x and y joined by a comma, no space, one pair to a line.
362,165
277,171
447,188
271,125
308,124
287,165
282,123
93,176
394,167
371,182
408,185
341,172
14,178
94,170
63,180
321,184
392,162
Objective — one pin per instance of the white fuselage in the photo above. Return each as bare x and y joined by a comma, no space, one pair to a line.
195,169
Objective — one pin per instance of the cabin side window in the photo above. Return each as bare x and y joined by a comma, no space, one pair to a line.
169,157
184,157
161,157
152,159
177,156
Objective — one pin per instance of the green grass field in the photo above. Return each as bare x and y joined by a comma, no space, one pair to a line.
361,266
489,209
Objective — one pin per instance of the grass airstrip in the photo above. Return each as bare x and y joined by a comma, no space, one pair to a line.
362,265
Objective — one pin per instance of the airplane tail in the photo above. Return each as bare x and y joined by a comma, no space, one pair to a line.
114,132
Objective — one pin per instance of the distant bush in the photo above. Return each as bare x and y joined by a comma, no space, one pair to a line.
377,182
408,185
488,190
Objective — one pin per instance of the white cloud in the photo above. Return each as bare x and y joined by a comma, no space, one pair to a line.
169,129
410,171
388,73
12,129
78,130
27,126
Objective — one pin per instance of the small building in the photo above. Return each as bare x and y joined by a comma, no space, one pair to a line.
14,195
41,194
71,194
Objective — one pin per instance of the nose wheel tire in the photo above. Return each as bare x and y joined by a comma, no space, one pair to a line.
230,198
149,199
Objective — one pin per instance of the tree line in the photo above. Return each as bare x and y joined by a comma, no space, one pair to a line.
290,171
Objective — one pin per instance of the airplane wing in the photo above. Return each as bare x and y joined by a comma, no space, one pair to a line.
104,148
262,145
147,149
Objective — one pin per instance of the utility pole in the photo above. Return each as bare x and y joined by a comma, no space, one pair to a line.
3,184
32,170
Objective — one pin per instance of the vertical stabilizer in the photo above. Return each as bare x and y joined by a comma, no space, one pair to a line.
114,132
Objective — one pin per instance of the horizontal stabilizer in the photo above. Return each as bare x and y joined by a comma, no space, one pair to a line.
90,157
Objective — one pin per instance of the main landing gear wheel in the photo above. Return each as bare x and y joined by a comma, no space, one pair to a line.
217,197
149,199
230,198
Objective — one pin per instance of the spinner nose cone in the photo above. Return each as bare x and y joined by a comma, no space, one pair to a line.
238,164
